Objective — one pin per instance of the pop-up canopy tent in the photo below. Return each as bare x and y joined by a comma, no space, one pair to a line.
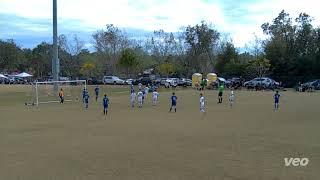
3,76
23,75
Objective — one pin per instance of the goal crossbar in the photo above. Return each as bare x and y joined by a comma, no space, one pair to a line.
71,81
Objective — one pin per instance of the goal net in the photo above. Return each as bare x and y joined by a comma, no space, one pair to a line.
45,92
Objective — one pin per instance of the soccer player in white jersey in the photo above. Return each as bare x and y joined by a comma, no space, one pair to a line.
140,99
202,103
231,98
140,86
146,91
155,96
132,98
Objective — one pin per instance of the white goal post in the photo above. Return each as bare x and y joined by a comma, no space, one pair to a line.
44,91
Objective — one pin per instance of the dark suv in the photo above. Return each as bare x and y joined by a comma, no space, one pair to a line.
94,81
143,81
235,82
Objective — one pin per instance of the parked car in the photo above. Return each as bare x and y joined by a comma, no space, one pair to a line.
171,82
261,82
158,81
12,79
174,80
184,82
64,78
129,81
234,82
45,78
94,81
112,80
311,85
4,81
163,81
143,81
18,80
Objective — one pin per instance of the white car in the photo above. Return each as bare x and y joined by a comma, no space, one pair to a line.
184,82
163,81
265,82
171,82
112,80
129,81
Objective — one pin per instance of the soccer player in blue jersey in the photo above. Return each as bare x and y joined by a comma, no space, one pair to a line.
276,100
86,100
143,96
84,92
96,90
105,104
173,102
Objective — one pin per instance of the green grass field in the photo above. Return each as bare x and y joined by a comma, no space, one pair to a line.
248,142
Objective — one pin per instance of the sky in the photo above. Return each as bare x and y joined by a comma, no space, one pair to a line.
29,22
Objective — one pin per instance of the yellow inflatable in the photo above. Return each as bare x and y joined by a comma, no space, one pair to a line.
196,79
211,77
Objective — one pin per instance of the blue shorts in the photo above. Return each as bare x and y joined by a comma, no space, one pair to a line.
173,104
105,107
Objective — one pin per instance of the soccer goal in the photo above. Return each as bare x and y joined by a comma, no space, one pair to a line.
44,92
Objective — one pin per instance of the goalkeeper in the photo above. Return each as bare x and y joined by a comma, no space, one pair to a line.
61,95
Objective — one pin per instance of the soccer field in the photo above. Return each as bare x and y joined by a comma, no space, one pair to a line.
248,142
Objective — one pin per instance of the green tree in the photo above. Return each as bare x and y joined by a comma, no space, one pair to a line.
292,48
41,59
128,60
69,50
228,55
234,69
87,69
259,67
11,56
109,43
201,40
166,69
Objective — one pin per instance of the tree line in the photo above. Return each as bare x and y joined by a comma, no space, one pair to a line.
291,53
